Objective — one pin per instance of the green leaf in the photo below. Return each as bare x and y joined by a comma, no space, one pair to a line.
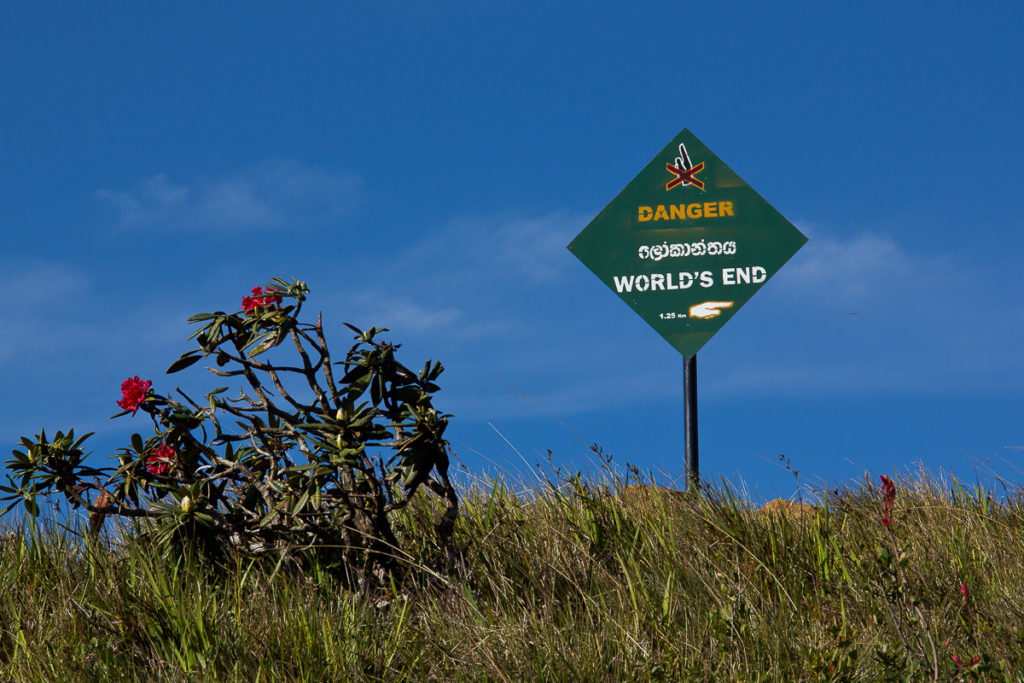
212,395
200,317
81,440
376,389
436,372
185,361
355,374
137,444
411,395
166,507
300,468
214,335
204,519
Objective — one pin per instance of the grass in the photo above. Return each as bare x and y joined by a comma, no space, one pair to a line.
581,580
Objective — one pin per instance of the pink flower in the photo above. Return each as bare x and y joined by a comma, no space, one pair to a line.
133,393
956,660
259,300
160,460
963,589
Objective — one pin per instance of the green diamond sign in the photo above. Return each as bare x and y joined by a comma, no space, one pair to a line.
687,243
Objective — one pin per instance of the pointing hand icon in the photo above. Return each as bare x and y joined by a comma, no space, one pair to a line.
709,309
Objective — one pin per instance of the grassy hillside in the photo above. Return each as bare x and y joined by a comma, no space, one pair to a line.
584,580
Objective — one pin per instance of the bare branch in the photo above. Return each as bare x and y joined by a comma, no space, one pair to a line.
310,373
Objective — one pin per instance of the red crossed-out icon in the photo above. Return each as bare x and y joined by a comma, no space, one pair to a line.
685,172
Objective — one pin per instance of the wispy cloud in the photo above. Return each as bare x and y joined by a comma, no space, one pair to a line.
862,314
58,316
470,280
530,249
414,317
858,268
39,300
272,194
35,283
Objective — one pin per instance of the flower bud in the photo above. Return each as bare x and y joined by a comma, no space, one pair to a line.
186,504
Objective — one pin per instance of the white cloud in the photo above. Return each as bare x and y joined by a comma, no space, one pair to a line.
389,312
36,283
273,194
473,279
857,268
531,249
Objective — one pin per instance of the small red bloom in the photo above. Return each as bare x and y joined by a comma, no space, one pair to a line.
963,589
259,300
956,660
133,393
888,499
160,460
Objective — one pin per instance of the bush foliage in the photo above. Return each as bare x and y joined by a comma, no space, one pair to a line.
307,462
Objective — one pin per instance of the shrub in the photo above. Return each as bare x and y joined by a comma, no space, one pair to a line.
300,464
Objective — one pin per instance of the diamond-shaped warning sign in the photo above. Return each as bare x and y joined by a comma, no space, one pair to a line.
686,243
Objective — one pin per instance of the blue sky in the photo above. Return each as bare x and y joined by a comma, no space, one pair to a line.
424,167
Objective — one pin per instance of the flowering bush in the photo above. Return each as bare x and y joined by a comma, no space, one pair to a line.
300,463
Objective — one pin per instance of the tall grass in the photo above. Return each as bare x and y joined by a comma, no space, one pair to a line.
586,579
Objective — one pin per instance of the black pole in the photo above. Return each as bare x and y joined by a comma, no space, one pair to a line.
690,421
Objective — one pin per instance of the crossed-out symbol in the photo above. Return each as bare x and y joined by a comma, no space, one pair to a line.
684,171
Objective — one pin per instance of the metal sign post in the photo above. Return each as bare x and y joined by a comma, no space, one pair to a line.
690,423
686,244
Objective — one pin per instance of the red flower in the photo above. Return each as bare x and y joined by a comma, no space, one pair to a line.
259,300
963,589
160,460
956,660
888,499
133,393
